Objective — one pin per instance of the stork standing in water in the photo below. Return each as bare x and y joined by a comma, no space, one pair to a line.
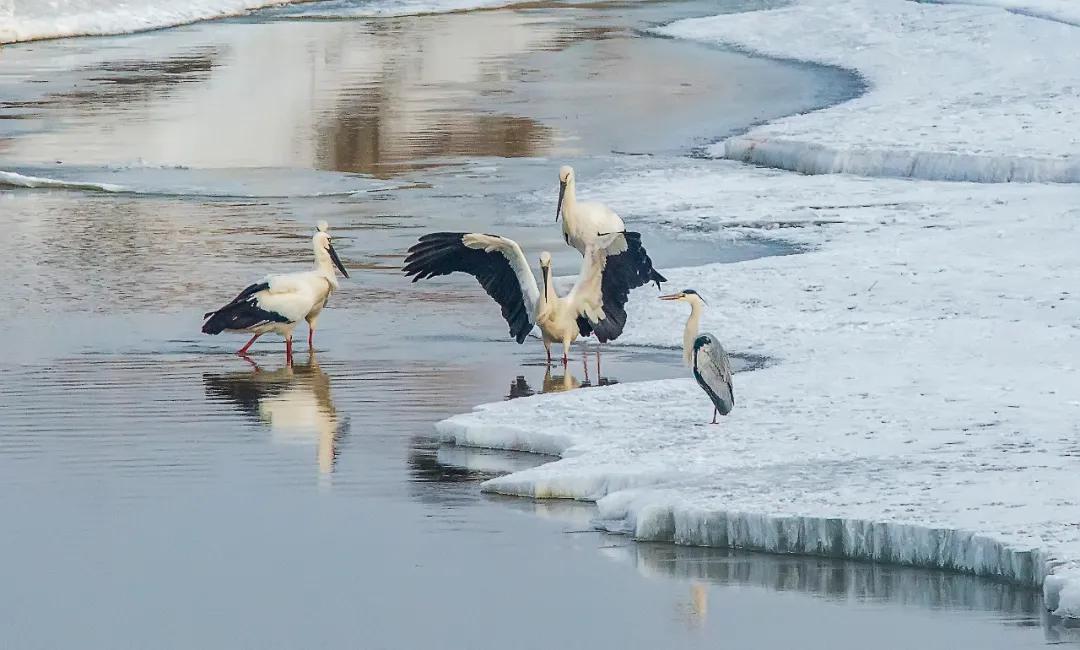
582,221
706,356
501,268
279,302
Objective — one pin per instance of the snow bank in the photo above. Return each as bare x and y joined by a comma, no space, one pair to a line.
38,19
29,20
1062,11
921,407
250,182
958,93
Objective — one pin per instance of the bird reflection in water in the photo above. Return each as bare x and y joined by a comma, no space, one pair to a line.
294,402
553,383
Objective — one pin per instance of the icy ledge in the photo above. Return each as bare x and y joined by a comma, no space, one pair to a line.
957,93
920,406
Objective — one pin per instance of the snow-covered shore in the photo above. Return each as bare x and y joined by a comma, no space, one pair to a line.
35,19
921,403
958,92
31,20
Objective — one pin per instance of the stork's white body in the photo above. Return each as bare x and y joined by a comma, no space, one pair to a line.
581,222
296,296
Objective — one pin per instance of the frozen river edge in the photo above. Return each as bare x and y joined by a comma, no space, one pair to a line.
920,410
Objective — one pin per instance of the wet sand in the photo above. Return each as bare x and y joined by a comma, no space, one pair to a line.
159,492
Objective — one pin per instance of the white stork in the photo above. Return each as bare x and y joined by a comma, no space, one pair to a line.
582,221
501,268
279,302
706,356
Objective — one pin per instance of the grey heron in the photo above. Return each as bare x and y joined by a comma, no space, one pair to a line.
279,302
582,221
706,356
594,305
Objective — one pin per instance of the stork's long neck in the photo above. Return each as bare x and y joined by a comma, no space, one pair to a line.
324,266
549,289
569,203
690,333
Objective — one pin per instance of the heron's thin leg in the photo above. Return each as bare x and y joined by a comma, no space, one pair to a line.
713,416
598,365
242,351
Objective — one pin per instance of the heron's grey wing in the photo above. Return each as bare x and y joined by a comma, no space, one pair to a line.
496,263
713,373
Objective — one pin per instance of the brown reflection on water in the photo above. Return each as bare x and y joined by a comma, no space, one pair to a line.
554,383
370,96
105,253
359,141
293,402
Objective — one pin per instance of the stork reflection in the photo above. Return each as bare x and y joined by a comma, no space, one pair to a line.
554,383
293,402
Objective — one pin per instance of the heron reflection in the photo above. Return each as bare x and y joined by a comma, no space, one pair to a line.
294,402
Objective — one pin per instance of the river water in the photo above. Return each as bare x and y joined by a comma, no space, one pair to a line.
159,492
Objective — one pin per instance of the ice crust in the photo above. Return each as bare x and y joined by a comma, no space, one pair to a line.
1062,11
957,92
919,406
27,20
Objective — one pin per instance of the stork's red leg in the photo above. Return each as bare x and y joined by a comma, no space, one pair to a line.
310,335
288,351
585,363
242,351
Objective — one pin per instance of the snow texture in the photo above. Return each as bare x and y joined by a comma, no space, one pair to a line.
957,92
28,20
1062,11
919,406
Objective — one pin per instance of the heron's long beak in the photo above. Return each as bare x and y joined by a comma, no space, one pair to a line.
562,191
671,296
337,260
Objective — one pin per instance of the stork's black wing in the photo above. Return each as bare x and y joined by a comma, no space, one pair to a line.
633,265
442,253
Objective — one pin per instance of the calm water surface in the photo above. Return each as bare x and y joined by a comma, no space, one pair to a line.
158,492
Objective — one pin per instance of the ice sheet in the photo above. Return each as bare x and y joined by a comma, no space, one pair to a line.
27,20
919,406
957,92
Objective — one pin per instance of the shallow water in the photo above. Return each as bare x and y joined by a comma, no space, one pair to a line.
159,492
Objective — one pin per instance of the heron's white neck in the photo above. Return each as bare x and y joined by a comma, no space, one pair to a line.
690,333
